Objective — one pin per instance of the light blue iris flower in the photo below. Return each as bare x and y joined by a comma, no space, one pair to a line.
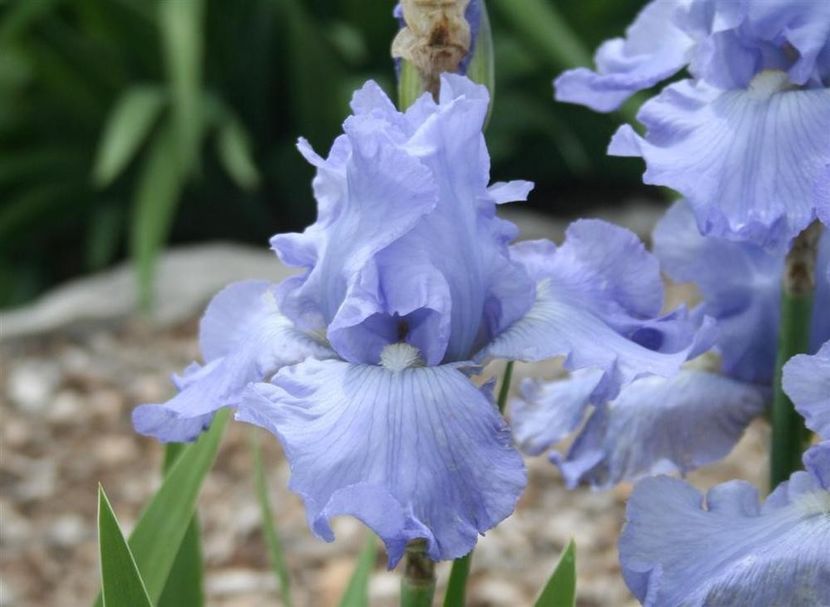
679,549
660,425
745,139
361,364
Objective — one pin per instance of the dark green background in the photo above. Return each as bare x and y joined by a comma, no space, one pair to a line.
278,69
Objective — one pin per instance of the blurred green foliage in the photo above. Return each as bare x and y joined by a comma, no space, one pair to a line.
125,124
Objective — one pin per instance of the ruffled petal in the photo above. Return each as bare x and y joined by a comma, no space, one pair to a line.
547,411
660,425
374,193
807,383
738,40
596,304
654,49
245,339
407,245
747,160
741,287
414,453
679,549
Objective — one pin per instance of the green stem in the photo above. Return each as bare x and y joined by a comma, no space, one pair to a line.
504,391
789,434
418,582
457,586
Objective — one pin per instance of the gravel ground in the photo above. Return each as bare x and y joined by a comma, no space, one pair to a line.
66,401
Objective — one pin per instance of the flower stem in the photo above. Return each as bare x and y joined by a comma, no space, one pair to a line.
789,434
418,583
504,391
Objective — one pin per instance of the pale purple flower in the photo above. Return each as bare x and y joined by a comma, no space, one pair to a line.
658,424
745,139
361,363
681,549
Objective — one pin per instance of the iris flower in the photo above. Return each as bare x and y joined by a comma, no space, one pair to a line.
745,138
658,424
361,364
681,549
678,548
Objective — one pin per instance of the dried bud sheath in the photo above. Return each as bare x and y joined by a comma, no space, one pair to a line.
436,38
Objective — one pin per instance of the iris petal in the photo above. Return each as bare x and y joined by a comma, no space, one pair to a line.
747,161
660,425
414,453
678,548
654,49
245,339
594,305
807,383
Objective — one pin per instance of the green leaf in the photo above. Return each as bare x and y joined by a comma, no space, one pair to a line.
539,24
157,192
104,232
234,149
181,29
121,581
272,540
23,14
157,537
560,591
184,584
357,592
126,129
457,586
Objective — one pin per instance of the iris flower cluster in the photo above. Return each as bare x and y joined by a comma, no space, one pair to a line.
746,140
362,364
366,365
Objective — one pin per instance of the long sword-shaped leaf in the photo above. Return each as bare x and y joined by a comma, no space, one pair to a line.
127,128
121,581
560,591
157,193
157,537
181,24
540,24
184,584
272,539
357,592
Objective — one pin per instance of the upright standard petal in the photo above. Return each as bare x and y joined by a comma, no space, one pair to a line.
807,383
244,339
748,161
407,246
678,549
738,40
412,452
658,426
654,49
597,304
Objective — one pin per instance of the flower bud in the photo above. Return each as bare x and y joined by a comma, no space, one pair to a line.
440,36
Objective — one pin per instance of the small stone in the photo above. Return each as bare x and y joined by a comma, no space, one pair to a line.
8,597
495,591
65,408
32,383
114,450
67,531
